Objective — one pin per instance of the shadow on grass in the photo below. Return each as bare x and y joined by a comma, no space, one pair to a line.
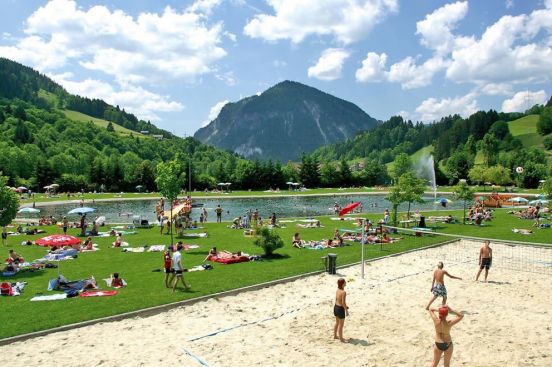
272,257
21,274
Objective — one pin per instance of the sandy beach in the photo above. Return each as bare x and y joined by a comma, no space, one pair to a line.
506,323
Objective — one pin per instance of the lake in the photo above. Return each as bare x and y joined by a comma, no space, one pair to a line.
289,206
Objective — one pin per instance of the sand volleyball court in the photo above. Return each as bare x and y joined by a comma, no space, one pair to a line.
507,322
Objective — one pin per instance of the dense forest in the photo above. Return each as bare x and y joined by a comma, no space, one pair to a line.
457,144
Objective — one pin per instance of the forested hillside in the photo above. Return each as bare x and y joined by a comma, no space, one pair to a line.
22,82
457,143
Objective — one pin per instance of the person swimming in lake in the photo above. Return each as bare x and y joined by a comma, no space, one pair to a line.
341,310
443,340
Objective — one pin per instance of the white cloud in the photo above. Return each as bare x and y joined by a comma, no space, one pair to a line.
214,112
436,28
507,51
497,89
411,75
509,4
347,20
432,109
279,64
151,46
522,101
134,99
373,68
204,6
404,114
329,65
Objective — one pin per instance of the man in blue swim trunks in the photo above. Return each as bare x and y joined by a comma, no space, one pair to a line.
438,284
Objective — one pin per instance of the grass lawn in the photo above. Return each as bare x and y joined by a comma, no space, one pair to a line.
525,129
146,288
81,117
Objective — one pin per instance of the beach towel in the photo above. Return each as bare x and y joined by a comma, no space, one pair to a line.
156,248
98,293
229,260
50,297
134,249
123,244
345,218
194,235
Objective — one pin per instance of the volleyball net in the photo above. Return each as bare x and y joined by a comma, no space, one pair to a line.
452,248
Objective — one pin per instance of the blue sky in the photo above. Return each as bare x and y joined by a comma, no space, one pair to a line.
178,62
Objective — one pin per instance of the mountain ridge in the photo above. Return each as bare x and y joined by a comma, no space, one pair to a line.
283,122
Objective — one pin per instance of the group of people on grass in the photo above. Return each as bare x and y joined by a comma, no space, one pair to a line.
479,213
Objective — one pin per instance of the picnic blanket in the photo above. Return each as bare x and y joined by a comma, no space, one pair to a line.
194,235
134,249
156,248
98,293
229,260
50,297
68,254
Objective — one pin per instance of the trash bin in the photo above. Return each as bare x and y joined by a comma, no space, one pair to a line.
331,263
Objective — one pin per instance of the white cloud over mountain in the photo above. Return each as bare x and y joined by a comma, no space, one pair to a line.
524,100
214,112
329,65
346,20
432,109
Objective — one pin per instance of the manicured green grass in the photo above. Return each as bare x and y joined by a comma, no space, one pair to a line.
425,151
525,129
81,117
146,288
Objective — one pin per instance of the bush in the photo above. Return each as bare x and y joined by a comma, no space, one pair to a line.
269,241
548,143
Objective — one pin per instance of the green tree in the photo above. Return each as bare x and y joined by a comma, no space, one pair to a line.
9,203
269,241
477,175
544,125
109,127
547,187
309,172
168,183
411,189
498,175
462,191
394,196
471,146
345,174
458,166
401,165
328,175
489,148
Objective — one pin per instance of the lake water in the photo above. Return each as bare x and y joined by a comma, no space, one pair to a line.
293,206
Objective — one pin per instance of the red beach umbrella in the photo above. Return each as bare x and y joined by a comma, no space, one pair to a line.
347,208
58,240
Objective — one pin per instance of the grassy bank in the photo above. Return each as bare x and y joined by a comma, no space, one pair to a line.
146,287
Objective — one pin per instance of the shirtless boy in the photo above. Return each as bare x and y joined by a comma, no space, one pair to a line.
485,259
438,284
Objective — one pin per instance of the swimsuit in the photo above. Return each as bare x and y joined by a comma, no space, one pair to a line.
443,346
439,290
486,263
339,311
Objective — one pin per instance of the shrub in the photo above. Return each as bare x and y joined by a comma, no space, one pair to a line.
548,143
269,241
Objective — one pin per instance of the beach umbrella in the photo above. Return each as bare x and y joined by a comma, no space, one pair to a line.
289,183
539,202
180,208
28,211
58,240
347,208
443,200
519,199
22,188
81,211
